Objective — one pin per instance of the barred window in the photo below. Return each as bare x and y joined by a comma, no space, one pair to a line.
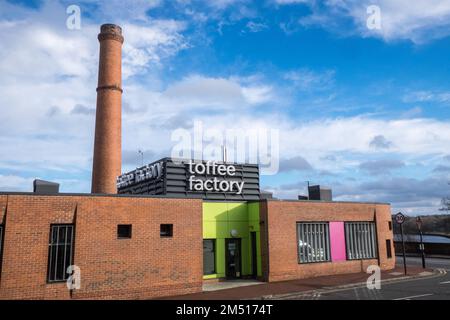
60,252
361,240
313,242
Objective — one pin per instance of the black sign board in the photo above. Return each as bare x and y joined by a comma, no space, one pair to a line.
210,180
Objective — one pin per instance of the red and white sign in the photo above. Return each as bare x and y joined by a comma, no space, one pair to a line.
399,218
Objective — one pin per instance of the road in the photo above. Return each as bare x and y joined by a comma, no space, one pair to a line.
434,288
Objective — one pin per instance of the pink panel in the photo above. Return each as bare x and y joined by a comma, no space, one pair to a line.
337,239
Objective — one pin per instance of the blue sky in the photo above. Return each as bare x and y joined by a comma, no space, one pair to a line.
363,111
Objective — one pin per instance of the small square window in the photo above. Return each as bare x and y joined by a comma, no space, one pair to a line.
124,231
166,230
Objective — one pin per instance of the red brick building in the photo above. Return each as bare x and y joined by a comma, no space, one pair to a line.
149,264
143,266
280,254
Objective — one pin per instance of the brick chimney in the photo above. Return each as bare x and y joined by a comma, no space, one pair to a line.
108,125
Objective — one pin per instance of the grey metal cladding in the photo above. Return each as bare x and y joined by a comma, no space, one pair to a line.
45,187
175,182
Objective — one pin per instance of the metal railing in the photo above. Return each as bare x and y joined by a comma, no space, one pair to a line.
313,242
360,240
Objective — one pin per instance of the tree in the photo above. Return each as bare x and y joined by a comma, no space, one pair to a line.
445,203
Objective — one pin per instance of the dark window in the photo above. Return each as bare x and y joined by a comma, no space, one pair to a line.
388,248
390,225
209,257
360,240
60,252
313,242
166,230
124,231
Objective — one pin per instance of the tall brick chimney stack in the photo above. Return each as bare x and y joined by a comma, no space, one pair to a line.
108,126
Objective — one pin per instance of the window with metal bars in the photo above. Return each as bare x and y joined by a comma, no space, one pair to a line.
60,252
313,242
361,240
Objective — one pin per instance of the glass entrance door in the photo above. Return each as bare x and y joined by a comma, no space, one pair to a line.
233,258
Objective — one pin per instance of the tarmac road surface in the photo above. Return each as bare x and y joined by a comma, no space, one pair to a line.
431,288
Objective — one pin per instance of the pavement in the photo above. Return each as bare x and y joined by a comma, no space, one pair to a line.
216,286
431,283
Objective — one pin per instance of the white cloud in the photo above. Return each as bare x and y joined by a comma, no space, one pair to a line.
147,45
222,12
413,137
199,92
305,79
119,10
13,182
414,112
286,2
418,21
427,96
257,94
36,47
41,52
48,72
222,4
255,27
409,195
347,138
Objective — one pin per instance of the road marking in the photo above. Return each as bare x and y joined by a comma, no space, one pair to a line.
446,282
412,297
325,291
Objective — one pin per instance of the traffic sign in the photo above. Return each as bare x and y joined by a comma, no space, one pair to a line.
399,218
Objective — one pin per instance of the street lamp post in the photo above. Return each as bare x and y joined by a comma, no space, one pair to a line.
422,246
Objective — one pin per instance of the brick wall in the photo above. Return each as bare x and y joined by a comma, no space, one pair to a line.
279,219
148,266
145,266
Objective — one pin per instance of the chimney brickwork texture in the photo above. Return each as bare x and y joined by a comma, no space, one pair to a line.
107,165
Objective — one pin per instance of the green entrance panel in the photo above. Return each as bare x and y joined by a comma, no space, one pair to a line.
215,211
228,220
253,213
238,212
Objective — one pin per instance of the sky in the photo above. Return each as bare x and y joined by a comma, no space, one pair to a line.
364,111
